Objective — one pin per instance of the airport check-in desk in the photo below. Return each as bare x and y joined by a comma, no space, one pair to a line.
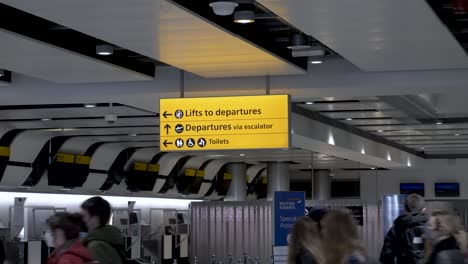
161,238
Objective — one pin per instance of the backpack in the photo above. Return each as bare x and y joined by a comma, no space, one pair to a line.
411,245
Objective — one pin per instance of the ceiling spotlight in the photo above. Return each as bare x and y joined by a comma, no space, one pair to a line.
439,123
309,103
89,105
223,8
242,155
244,17
380,131
132,135
298,41
349,119
104,50
373,168
457,135
316,61
2,73
45,119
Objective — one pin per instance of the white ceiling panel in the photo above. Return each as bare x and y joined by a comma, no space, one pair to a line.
71,112
37,59
81,123
163,31
385,35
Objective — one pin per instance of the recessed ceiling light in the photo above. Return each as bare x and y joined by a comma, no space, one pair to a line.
45,119
242,155
132,135
104,50
89,105
457,135
422,148
380,131
349,119
316,62
2,72
373,168
309,103
244,17
439,123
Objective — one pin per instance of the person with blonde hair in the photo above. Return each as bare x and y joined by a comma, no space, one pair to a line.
304,243
446,242
340,239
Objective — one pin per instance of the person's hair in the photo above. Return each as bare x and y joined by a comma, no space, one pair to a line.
96,206
304,237
447,224
414,203
69,223
340,237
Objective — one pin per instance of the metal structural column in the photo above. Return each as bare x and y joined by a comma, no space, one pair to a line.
278,178
322,184
238,190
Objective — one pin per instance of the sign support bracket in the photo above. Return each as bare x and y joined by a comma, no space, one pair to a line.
182,83
267,85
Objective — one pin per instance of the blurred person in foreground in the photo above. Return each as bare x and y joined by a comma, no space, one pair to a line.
404,241
304,243
446,241
105,242
340,239
63,235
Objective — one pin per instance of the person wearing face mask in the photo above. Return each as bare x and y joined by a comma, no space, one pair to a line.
445,240
105,242
63,235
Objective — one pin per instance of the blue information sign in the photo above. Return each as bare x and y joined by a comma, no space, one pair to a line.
289,206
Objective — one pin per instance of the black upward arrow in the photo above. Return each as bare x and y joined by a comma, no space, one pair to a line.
167,127
166,114
167,143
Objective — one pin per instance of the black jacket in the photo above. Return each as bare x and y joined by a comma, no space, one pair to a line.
404,240
446,252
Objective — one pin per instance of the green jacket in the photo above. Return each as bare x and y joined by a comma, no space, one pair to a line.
106,245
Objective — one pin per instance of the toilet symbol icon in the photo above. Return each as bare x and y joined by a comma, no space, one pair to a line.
179,143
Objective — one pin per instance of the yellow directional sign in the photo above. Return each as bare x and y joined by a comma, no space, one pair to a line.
224,123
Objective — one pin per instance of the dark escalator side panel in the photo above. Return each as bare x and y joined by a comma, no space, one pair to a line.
172,177
221,182
5,142
43,160
68,170
142,176
4,158
116,171
190,180
258,185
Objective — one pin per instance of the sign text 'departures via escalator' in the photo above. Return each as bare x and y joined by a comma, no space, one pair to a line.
225,123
